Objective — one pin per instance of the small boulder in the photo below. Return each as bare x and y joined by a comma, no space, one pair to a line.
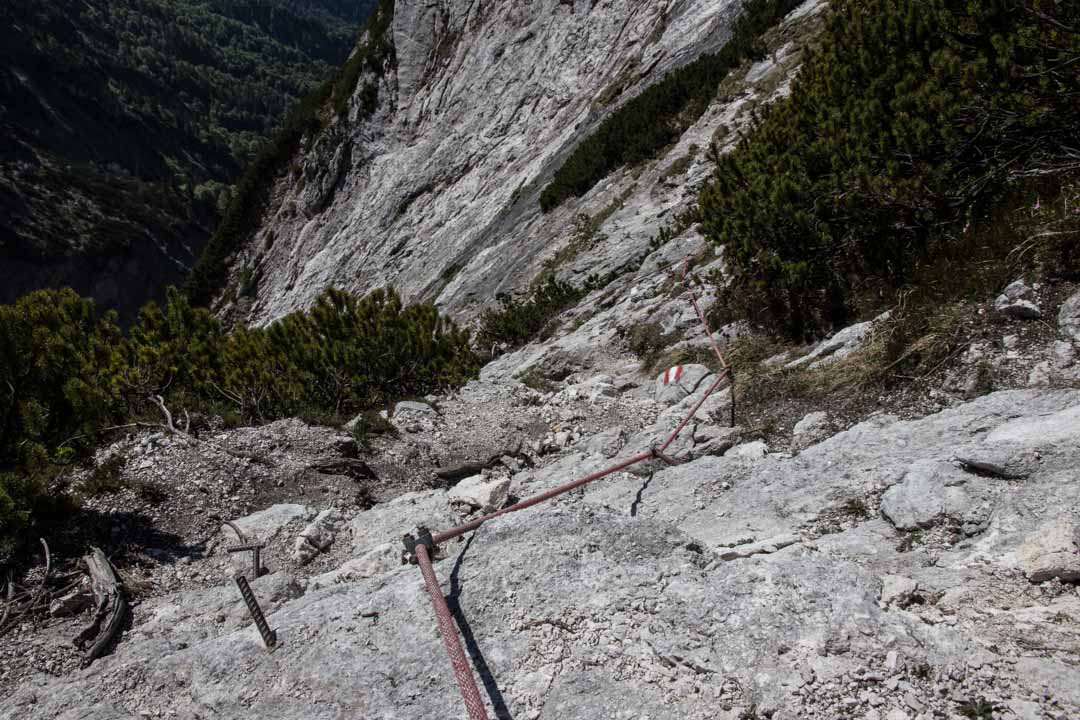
606,444
1019,309
839,346
1064,354
1016,290
410,406
593,389
71,604
318,536
1041,374
812,428
599,390
778,359
929,492
1052,551
712,440
675,383
1015,303
264,525
752,450
479,493
716,409
376,561
1003,460
898,591
761,547
1069,318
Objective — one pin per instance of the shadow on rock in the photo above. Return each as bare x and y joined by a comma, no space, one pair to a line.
498,703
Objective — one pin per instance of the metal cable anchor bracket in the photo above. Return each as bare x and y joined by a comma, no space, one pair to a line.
423,537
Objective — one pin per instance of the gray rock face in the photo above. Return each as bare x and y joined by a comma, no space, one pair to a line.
930,491
712,584
1069,318
810,429
436,194
1052,551
1061,426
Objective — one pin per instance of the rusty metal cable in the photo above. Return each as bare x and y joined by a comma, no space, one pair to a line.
705,324
462,672
708,332
542,497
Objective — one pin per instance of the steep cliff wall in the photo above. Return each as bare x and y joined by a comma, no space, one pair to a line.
436,192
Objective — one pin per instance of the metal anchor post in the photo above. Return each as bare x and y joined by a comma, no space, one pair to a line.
255,550
269,636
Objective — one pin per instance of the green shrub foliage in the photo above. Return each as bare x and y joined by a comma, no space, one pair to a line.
518,320
908,119
66,373
662,112
60,370
371,56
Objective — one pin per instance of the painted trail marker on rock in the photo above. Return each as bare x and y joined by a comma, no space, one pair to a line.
672,374
417,548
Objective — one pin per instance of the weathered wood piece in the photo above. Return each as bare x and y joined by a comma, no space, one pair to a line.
468,469
110,607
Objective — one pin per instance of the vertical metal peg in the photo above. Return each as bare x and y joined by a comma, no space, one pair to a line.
269,636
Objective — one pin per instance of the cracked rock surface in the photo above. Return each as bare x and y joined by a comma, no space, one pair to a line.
726,583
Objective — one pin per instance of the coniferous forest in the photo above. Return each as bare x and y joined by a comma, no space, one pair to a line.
126,124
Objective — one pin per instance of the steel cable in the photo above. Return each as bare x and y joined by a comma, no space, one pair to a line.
469,692
452,643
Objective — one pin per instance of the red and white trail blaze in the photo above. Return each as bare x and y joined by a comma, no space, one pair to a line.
420,549
672,375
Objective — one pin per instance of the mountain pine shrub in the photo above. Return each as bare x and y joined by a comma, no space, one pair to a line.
909,120
659,116
519,320
66,373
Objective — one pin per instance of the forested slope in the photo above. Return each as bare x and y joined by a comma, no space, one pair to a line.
124,122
